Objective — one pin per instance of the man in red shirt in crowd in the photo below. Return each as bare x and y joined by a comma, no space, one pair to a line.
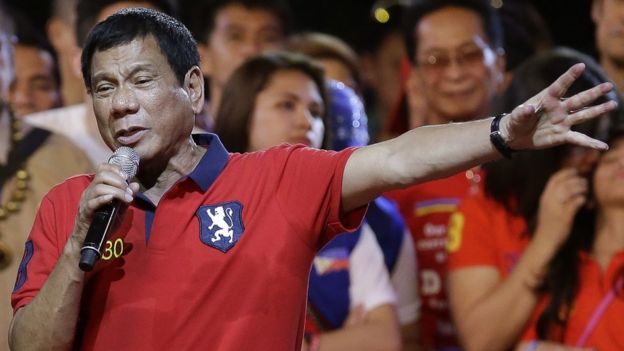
458,62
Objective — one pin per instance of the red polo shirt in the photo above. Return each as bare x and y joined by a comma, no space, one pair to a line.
593,286
426,208
221,263
483,233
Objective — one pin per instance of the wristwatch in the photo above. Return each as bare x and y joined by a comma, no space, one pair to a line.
496,138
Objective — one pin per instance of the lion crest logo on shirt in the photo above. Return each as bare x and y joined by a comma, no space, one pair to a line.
221,225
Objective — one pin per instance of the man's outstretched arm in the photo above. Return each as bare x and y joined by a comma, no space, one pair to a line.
433,152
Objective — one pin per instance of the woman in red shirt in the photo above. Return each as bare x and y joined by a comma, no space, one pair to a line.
501,242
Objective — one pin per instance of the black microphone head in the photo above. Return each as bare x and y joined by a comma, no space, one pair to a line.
127,159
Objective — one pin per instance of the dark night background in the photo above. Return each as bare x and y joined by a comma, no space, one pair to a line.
568,20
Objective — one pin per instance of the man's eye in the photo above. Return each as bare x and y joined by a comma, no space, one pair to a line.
235,36
287,105
471,56
42,86
270,38
104,88
143,80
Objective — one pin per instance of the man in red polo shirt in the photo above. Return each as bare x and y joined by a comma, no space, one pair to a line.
458,60
214,249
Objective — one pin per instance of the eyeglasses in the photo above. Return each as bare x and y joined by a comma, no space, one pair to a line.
465,57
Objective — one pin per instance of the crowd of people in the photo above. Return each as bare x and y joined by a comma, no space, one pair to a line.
452,185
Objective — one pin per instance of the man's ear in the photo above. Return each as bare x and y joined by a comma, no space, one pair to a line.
194,86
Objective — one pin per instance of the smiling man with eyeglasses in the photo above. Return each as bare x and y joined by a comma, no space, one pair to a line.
455,47
458,58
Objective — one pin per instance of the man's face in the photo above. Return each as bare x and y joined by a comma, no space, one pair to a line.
458,69
239,33
34,87
138,101
608,16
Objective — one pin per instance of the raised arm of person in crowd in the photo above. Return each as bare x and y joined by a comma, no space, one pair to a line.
437,151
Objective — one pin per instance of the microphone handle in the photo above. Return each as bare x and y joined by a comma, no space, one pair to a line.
101,225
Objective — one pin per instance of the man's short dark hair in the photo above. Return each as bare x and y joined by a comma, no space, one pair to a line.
87,12
202,20
174,40
421,8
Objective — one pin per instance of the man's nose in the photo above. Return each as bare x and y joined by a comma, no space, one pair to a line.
251,47
20,97
455,68
124,102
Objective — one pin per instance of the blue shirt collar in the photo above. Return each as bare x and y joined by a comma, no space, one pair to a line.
212,163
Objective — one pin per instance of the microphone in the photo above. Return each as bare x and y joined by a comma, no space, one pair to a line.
128,160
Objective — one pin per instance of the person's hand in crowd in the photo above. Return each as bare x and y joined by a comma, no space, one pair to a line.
545,119
563,196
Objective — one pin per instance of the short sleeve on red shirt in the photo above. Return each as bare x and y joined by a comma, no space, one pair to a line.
52,226
483,233
470,234
310,178
595,286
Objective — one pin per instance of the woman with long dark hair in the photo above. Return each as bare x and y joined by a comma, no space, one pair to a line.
582,302
501,242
